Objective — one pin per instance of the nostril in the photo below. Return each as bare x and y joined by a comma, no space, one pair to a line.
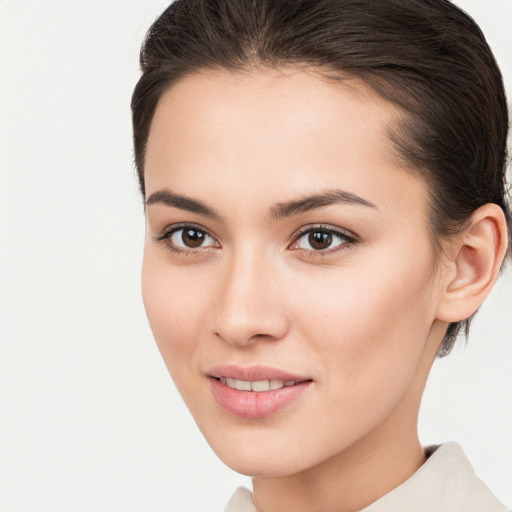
245,339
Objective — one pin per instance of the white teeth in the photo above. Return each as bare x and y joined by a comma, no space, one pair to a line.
260,385
257,385
276,384
243,385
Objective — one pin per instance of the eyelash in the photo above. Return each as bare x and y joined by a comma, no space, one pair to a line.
166,234
349,239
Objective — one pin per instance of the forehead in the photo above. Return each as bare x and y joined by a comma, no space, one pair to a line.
214,104
275,132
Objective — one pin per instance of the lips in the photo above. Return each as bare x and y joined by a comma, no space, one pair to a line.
257,391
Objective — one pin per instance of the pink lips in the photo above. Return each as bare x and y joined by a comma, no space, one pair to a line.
255,404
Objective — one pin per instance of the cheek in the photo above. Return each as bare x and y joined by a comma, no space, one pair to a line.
174,303
366,334
371,317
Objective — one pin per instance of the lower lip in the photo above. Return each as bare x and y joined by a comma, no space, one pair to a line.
253,404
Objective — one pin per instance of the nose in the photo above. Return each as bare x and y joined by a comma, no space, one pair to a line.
249,306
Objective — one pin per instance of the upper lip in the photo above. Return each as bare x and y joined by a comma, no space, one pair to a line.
254,373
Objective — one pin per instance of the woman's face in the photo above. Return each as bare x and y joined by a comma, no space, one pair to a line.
287,248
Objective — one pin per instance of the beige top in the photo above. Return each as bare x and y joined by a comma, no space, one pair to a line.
445,483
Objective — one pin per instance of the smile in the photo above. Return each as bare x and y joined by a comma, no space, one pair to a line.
257,385
257,391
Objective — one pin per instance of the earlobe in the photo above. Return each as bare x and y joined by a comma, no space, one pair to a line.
477,255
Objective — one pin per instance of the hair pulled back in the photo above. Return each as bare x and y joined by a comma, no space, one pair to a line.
427,57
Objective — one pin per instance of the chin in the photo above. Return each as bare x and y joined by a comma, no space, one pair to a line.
262,464
257,451
263,452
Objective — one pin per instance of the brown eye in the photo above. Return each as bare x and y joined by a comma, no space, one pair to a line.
320,240
191,238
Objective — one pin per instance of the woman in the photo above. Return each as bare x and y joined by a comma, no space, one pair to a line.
326,209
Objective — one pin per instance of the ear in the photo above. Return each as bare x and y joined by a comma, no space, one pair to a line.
474,260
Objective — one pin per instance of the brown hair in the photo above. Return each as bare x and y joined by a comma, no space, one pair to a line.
426,56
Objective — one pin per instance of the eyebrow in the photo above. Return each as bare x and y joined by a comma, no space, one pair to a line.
169,198
277,212
326,198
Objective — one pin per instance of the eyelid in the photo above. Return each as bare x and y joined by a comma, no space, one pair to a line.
350,237
171,228
164,236
325,227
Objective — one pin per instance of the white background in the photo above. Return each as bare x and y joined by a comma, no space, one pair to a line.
90,419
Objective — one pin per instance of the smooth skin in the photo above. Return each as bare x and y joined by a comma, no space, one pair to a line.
231,276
